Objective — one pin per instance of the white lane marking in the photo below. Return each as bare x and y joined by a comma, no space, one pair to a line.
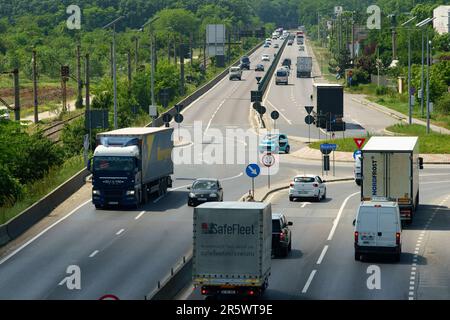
159,198
182,187
435,182
93,254
336,221
308,283
41,233
120,231
213,115
234,177
139,215
322,255
305,203
285,118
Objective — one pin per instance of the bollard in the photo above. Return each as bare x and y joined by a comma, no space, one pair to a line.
171,271
184,259
159,285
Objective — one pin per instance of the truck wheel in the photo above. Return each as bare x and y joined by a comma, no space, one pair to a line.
318,197
357,256
287,149
290,246
144,194
291,198
97,206
285,252
358,182
397,257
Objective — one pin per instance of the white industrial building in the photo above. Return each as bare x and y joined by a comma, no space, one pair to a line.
441,21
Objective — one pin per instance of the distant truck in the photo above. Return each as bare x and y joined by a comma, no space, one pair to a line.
329,106
232,248
304,67
129,164
390,169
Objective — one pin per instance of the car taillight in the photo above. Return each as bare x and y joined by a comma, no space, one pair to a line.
251,292
356,236
282,236
397,238
204,291
315,185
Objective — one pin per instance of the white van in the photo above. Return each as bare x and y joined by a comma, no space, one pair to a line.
378,229
281,76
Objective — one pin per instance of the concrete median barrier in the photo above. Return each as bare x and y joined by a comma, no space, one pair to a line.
30,216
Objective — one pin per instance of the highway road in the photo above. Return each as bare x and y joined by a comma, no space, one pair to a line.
126,252
321,264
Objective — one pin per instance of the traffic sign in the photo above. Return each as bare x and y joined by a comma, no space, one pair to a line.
255,96
359,142
309,109
256,105
356,154
109,297
167,117
268,160
326,148
252,170
153,111
274,115
261,110
258,79
178,118
309,119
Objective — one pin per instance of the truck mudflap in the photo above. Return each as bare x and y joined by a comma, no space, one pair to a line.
406,213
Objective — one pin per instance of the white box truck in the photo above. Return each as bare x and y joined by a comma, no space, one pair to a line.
390,169
232,248
304,67
129,164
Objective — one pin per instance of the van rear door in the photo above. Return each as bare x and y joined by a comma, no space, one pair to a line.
387,226
367,226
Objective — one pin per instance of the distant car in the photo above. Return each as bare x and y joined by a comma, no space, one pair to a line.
265,57
276,45
301,48
245,63
281,76
287,62
281,235
378,229
275,143
290,42
307,186
205,190
235,73
259,67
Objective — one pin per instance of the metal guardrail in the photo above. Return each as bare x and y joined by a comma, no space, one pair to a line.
266,79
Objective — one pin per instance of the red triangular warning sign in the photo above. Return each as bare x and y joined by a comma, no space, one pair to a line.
359,142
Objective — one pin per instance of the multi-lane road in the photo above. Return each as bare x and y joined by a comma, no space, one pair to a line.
126,252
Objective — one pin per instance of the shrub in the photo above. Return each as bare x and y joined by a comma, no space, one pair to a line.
10,188
443,104
381,91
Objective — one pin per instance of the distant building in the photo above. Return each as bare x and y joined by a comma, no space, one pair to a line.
441,21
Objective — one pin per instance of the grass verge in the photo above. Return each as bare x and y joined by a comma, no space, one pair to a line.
40,188
433,143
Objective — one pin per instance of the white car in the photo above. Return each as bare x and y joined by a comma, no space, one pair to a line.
265,57
307,186
378,229
287,69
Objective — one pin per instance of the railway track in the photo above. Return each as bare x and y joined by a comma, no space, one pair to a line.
53,131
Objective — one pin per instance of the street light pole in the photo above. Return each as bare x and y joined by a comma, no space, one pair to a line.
428,84
409,72
421,78
113,24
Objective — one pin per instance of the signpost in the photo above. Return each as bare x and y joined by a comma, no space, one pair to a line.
167,117
356,154
253,170
326,149
255,96
309,119
268,160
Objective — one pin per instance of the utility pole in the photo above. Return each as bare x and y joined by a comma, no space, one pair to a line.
318,27
35,93
409,71
191,52
111,60
152,73
136,53
421,79
113,54
16,95
428,84
353,38
64,88
181,67
129,66
88,101
79,81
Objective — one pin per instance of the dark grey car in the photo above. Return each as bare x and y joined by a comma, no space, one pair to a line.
205,190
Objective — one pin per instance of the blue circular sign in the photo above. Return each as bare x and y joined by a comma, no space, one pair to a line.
356,153
252,170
